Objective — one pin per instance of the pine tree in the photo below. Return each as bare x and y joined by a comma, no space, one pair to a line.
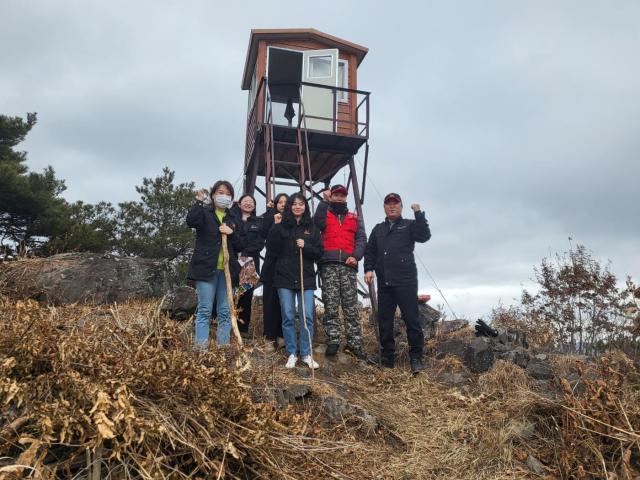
155,226
31,209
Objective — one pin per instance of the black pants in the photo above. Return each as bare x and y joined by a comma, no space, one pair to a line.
244,305
405,297
272,315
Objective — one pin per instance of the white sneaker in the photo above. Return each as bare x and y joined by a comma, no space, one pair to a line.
308,359
291,362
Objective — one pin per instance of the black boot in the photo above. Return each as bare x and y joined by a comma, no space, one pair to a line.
380,360
356,352
416,365
332,350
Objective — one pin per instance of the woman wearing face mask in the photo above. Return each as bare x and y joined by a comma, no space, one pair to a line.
250,230
272,314
207,263
293,234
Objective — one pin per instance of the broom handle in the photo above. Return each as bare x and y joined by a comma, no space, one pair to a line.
374,310
304,316
227,277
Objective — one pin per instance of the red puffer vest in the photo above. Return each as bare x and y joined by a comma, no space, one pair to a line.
340,236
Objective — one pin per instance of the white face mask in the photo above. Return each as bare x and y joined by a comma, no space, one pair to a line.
222,201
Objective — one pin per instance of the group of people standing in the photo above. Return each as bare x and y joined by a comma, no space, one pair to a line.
334,239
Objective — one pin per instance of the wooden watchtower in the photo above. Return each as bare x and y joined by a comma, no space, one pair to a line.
306,117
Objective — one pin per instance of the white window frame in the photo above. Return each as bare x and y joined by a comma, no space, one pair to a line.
309,67
343,97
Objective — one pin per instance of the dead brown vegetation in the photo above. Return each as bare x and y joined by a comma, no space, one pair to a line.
95,390
117,391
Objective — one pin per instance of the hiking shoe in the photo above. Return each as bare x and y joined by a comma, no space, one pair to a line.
380,360
332,350
356,352
291,361
416,365
269,346
280,343
311,363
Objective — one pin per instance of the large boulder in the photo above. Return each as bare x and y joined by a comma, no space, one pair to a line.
428,316
86,278
455,347
477,354
181,303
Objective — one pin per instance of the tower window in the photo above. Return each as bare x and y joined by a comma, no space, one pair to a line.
343,80
320,67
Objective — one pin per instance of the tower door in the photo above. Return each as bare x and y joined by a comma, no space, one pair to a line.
321,67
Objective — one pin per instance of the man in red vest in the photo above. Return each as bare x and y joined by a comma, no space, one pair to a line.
344,240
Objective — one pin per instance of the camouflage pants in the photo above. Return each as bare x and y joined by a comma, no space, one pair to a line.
340,286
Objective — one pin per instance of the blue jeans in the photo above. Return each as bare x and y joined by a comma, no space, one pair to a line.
288,307
209,291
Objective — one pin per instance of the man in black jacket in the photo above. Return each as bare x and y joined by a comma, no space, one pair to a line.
389,253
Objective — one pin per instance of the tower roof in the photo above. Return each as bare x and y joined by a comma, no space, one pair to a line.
294,33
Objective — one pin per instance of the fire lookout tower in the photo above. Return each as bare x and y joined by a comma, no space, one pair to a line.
306,118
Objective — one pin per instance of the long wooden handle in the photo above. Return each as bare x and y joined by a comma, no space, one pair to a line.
227,277
303,319
373,319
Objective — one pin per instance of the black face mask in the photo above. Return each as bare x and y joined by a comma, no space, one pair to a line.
339,207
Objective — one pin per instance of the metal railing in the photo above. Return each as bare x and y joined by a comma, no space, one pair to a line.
359,124
355,120
261,117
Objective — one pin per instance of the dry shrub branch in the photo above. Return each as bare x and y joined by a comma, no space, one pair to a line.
118,391
600,435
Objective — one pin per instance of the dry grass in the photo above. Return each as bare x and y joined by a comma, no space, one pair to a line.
89,392
444,433
118,386
451,364
505,380
600,434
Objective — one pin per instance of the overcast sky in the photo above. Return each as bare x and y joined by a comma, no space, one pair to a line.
514,124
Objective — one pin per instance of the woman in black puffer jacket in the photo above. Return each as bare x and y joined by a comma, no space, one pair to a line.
207,267
272,314
250,230
290,236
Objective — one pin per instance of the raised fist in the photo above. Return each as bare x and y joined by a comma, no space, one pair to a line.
270,204
415,207
326,195
277,218
201,195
